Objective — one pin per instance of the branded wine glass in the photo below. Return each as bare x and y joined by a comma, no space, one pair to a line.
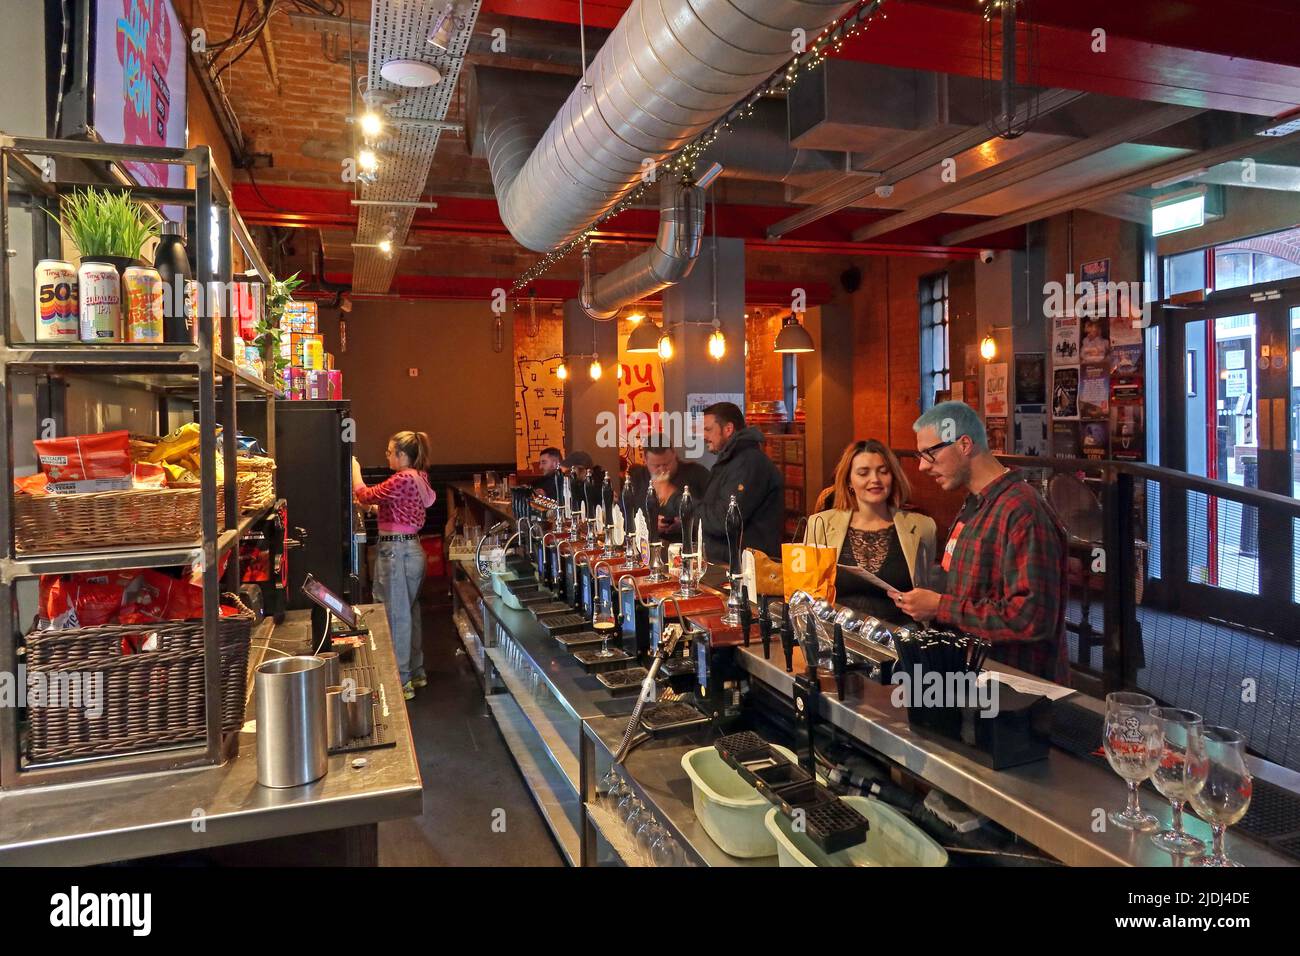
1225,797
1132,741
1179,774
602,622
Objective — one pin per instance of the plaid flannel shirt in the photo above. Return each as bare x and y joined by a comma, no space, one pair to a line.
1007,578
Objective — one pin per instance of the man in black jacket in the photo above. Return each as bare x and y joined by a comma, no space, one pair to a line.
743,470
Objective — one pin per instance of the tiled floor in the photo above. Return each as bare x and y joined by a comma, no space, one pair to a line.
477,811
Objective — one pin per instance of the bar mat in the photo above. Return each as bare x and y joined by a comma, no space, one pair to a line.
362,671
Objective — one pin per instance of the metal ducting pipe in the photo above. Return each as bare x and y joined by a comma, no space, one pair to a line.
759,149
668,261
669,70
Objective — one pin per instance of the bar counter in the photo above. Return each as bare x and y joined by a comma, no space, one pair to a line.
564,717
159,813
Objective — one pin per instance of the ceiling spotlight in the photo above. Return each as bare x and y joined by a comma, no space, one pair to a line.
717,344
441,32
385,246
793,337
644,338
665,347
372,124
594,370
561,371
411,73
368,161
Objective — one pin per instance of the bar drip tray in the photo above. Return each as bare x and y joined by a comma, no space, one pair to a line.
672,716
628,679
579,639
591,659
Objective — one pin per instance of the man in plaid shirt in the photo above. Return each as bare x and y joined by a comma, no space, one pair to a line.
1006,553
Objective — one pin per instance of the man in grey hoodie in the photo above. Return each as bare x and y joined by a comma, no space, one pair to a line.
743,470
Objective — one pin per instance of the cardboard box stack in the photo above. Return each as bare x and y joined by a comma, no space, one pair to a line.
311,374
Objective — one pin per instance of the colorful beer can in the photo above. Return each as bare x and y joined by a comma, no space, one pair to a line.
99,302
143,294
57,312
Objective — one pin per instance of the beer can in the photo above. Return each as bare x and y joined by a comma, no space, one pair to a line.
100,301
56,301
192,309
142,292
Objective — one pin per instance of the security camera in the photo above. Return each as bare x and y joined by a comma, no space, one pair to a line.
885,191
986,256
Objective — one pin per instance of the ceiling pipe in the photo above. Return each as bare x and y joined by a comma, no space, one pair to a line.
669,70
667,262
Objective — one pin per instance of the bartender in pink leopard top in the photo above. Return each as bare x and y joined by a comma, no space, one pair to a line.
399,568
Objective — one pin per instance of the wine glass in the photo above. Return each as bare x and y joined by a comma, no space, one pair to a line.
1225,797
647,832
1179,775
1132,741
602,622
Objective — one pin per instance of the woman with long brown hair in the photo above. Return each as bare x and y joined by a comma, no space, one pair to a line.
399,567
870,527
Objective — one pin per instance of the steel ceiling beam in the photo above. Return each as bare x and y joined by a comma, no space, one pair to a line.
951,146
1002,175
1141,179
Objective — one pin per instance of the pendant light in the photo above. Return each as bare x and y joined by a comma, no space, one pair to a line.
595,370
717,343
644,338
793,337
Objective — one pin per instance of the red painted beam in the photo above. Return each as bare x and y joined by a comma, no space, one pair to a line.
313,207
596,13
757,292
1140,61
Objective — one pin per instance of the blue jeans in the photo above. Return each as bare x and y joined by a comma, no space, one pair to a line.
399,572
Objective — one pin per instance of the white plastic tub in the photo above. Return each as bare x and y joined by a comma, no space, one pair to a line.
893,840
730,810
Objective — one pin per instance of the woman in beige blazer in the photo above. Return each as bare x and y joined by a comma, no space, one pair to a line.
868,526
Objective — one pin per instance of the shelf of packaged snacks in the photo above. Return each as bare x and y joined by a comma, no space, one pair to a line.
116,558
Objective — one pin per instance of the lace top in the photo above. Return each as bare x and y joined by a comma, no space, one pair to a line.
869,548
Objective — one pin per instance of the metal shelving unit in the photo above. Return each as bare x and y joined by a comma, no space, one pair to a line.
168,372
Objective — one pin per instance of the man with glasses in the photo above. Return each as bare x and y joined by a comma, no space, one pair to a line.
1005,558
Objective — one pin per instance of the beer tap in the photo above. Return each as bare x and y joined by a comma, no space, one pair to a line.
734,525
690,547
787,637
746,613
607,506
657,572
765,625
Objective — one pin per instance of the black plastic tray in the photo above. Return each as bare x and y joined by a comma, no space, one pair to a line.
564,623
746,746
626,680
588,658
835,825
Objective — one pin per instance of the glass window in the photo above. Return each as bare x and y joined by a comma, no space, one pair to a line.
935,375
1185,272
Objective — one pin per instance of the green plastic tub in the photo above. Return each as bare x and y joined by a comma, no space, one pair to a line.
730,810
893,840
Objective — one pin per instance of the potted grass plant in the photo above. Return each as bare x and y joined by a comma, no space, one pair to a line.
106,226
270,331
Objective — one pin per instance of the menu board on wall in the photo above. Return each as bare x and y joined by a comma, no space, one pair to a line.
995,389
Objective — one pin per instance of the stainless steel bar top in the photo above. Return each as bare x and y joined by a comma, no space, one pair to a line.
1058,804
150,814
501,508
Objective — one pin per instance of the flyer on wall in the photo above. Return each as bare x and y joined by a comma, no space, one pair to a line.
1127,329
996,428
1065,392
1096,439
1094,392
995,389
1128,431
1065,340
1031,430
1126,359
1065,439
1031,378
1094,348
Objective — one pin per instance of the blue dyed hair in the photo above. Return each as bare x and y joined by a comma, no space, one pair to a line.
951,420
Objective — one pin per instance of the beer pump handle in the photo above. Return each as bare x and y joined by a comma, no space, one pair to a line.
746,613
840,660
787,638
765,625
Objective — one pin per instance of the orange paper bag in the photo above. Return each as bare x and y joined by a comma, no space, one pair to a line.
810,566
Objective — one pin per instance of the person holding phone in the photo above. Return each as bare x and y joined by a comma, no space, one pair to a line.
402,499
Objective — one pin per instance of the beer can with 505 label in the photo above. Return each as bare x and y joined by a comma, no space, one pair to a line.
142,290
56,301
100,294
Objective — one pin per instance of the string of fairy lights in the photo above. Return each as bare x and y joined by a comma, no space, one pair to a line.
830,41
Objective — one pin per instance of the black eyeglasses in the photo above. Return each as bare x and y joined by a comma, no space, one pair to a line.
928,453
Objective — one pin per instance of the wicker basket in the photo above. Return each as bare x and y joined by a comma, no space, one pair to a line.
263,472
150,699
105,519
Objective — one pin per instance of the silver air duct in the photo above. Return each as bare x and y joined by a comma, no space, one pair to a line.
668,261
669,69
